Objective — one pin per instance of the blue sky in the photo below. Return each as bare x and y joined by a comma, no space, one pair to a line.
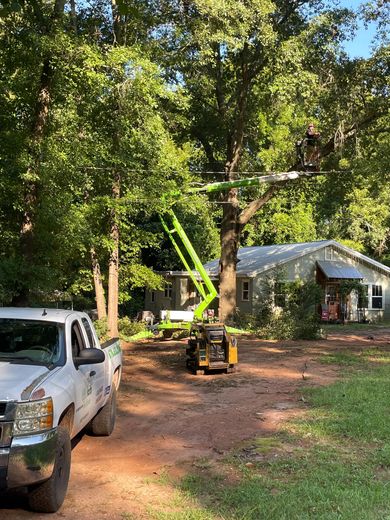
361,45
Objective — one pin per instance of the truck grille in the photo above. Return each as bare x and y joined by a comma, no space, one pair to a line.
7,415
5,434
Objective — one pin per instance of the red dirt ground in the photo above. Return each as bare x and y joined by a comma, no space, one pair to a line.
169,418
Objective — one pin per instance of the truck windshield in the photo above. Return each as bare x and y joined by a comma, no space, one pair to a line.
31,342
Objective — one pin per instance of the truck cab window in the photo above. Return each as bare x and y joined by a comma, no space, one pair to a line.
89,332
77,339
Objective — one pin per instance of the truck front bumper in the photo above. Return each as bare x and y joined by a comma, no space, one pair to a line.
29,460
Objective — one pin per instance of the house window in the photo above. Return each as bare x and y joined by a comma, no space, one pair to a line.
363,298
329,253
280,296
168,291
152,296
245,291
376,297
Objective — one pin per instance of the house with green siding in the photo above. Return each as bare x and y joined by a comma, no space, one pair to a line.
326,262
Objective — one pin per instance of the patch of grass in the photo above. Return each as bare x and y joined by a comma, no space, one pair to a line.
340,358
266,444
377,355
333,464
187,514
128,516
202,463
357,407
353,327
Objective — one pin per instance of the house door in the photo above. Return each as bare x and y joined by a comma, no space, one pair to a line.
331,299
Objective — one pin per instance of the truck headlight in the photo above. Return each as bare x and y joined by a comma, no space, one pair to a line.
33,417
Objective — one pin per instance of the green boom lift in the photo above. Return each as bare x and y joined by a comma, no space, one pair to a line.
210,346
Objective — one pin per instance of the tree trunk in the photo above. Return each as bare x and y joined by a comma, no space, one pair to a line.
39,123
98,284
113,265
117,23
31,185
73,15
230,227
230,239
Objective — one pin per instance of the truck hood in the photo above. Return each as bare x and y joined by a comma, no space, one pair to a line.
18,381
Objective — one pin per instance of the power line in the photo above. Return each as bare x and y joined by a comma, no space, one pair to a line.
157,170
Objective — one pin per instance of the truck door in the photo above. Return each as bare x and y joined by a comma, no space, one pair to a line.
88,379
101,375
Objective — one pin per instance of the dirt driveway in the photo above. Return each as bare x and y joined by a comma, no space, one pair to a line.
168,419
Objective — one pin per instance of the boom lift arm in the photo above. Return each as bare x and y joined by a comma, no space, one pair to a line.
187,253
210,346
205,287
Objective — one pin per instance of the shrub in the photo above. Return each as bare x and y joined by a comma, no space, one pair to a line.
296,316
101,328
128,327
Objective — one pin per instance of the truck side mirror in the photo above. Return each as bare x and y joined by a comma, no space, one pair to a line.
89,356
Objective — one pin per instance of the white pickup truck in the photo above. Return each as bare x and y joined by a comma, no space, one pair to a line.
55,380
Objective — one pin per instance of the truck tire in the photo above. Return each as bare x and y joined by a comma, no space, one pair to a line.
104,421
49,496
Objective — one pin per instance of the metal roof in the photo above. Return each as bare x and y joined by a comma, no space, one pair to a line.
339,270
257,259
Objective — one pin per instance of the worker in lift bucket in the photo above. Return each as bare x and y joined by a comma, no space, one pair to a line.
312,138
308,148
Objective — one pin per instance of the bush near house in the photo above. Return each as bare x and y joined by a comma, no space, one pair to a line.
126,327
288,310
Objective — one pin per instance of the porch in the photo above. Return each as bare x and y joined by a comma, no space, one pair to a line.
338,306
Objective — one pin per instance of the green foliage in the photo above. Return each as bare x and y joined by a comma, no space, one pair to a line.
287,310
160,105
101,328
287,219
347,286
98,92
128,327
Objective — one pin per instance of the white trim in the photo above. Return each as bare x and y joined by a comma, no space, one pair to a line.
382,297
245,291
329,254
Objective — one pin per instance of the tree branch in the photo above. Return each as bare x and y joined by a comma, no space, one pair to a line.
248,212
208,149
236,138
330,146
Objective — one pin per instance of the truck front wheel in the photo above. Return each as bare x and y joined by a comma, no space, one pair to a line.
49,496
104,421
